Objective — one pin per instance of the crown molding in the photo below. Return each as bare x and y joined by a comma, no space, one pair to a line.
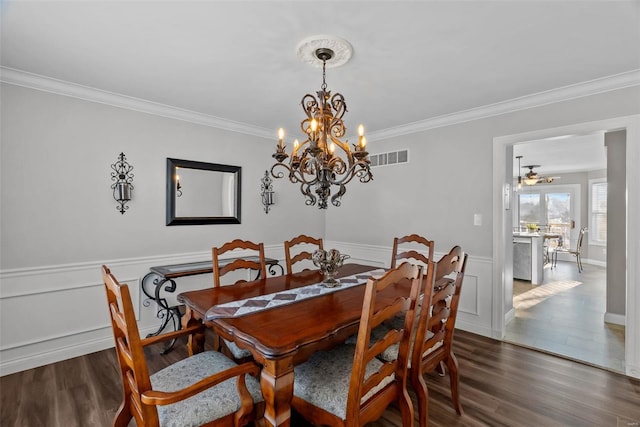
60,87
578,90
47,84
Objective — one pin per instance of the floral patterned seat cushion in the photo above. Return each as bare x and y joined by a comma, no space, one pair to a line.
324,379
391,352
237,352
211,404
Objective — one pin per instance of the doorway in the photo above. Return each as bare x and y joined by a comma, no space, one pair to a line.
503,225
562,310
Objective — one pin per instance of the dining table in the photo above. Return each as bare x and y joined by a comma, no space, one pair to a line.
286,334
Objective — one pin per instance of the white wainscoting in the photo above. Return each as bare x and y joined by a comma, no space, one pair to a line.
53,313
474,312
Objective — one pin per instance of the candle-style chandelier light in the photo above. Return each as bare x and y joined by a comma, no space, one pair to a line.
323,160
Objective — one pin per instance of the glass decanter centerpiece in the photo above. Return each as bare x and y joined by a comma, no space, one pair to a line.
329,262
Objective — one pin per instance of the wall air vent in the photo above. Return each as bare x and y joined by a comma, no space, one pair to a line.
391,158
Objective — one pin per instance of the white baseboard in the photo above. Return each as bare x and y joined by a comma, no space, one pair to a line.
511,314
585,261
616,319
473,328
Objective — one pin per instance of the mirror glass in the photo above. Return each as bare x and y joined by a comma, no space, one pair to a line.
202,193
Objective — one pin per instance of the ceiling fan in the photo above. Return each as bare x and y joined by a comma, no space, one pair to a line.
532,177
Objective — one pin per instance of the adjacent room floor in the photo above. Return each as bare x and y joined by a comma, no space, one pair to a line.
565,316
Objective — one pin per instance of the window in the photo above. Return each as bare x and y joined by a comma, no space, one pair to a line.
552,208
598,211
530,212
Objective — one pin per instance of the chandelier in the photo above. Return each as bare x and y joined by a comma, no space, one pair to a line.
322,161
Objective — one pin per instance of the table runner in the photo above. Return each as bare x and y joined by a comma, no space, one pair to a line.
265,302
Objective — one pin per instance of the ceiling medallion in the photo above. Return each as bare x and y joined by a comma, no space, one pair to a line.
315,163
342,51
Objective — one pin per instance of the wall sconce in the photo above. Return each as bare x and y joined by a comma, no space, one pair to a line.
122,186
267,192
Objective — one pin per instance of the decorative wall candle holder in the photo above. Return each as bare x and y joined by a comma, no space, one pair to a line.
267,192
122,187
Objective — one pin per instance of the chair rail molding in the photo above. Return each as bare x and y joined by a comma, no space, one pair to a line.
63,294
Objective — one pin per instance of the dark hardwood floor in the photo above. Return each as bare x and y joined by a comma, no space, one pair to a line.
501,385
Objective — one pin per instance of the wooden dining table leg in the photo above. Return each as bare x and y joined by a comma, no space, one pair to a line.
276,382
195,342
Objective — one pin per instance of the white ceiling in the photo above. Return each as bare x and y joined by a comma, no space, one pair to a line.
563,154
235,60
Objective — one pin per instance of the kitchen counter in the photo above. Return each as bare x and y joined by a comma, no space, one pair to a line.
528,257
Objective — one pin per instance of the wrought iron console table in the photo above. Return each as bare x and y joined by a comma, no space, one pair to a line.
163,280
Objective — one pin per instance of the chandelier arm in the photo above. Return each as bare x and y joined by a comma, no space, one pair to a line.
296,175
292,177
340,107
337,128
363,173
279,174
336,199
339,104
309,105
307,167
338,166
305,189
345,147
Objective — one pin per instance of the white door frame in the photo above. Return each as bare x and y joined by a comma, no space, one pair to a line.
502,237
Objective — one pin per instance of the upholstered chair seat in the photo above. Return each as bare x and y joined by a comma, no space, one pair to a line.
349,386
236,352
213,403
324,379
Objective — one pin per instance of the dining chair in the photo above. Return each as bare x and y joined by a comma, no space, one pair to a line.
207,388
434,333
577,252
410,248
238,263
408,253
348,385
303,242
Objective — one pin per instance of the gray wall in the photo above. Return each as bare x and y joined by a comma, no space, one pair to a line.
57,207
616,222
449,177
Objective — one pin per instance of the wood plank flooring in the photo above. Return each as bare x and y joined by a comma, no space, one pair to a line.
501,385
565,316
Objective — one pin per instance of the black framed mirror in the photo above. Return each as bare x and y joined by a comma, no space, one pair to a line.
202,193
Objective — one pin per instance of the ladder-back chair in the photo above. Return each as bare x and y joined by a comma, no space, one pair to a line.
434,334
249,262
415,241
349,385
207,388
303,242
